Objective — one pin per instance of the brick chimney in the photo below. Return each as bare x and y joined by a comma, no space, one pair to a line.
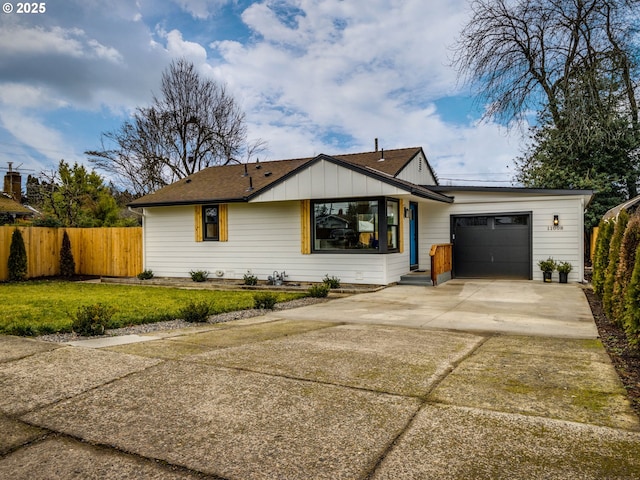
13,183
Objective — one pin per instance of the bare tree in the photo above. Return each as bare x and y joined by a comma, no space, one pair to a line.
528,54
193,124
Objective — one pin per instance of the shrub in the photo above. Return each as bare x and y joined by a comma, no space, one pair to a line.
612,266
196,312
319,291
146,275
47,221
17,262
67,263
628,247
92,319
548,265
250,279
601,256
331,282
631,319
199,275
265,300
564,267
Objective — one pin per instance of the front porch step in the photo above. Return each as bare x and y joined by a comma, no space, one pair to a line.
422,279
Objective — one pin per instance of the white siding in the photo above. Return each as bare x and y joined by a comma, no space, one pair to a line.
417,171
566,244
262,238
327,180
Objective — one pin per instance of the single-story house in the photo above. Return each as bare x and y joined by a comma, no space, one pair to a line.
10,210
366,218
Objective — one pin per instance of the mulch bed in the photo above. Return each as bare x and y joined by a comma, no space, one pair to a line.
625,358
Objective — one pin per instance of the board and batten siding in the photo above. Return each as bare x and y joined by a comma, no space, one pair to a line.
565,244
262,238
417,171
327,180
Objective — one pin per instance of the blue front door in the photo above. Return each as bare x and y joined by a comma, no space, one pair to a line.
413,235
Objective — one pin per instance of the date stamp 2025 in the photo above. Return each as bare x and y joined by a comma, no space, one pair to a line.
24,7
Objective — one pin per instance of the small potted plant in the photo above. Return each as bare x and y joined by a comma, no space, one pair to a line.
547,266
563,270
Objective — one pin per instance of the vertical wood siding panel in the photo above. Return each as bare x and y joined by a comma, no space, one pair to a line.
305,226
223,220
198,223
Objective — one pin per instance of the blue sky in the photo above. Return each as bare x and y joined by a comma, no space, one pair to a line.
312,76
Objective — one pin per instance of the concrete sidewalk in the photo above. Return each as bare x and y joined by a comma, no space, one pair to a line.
337,391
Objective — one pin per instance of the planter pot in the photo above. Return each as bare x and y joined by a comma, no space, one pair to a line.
547,276
563,277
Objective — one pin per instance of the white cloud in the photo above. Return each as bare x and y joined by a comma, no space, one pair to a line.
201,9
364,71
178,47
31,131
73,42
16,95
313,76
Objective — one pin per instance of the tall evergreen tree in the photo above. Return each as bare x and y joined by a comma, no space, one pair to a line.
17,262
67,263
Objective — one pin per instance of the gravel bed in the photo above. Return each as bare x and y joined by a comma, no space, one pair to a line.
176,324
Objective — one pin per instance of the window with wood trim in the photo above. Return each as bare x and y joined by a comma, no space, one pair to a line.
356,225
211,223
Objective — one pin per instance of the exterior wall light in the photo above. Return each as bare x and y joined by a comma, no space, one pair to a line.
556,219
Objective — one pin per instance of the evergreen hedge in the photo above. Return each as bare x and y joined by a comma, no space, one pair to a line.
627,259
614,260
631,319
616,272
601,255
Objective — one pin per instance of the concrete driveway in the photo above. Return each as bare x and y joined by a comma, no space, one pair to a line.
469,380
516,307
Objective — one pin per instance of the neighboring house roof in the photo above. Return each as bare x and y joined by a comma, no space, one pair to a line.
630,206
229,183
10,206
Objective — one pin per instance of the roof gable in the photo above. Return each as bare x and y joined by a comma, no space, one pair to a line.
247,182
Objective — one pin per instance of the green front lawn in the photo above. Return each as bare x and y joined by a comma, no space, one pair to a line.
40,307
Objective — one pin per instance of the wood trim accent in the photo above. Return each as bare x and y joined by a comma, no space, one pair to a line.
401,225
441,260
223,222
198,223
305,227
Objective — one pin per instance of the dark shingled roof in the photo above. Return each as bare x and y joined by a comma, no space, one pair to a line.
9,205
229,183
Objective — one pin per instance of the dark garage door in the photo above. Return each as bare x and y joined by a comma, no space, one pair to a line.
492,246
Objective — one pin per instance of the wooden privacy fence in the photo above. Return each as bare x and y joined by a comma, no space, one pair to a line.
109,252
441,260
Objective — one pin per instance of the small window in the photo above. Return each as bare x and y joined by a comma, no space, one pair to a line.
393,220
472,221
211,220
512,220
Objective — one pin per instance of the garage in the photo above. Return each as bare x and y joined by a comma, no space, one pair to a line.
492,245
